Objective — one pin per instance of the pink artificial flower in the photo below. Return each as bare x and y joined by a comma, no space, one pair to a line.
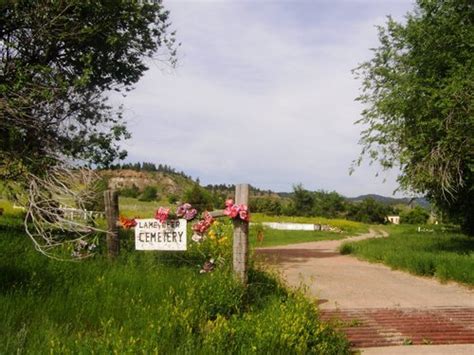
200,227
204,224
162,214
237,211
180,211
244,213
186,211
190,214
208,217
234,211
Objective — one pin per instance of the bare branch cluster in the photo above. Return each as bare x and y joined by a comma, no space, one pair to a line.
46,223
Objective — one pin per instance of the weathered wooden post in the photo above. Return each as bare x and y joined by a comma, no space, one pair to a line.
112,216
241,235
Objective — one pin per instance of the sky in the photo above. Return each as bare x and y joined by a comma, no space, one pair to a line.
263,94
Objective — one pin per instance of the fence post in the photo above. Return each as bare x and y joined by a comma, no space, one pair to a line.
241,236
112,215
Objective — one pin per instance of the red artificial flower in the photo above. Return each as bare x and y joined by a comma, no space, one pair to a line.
204,224
162,214
127,223
208,217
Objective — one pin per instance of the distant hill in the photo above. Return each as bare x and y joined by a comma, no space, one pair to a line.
167,183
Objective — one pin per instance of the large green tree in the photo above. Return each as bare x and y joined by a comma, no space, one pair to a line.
418,93
58,62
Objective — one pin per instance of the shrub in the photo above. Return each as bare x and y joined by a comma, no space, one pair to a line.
132,191
346,248
172,199
199,198
150,193
270,205
218,199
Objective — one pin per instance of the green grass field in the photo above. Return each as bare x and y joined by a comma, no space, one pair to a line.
445,254
273,237
146,302
132,207
348,227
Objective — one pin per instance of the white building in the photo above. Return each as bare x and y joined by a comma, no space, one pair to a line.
393,219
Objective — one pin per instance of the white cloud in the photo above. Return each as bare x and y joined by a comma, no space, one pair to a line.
255,100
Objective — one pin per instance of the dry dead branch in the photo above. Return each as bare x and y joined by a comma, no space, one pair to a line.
46,223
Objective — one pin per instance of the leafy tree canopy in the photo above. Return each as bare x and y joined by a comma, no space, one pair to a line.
418,90
416,215
369,211
303,200
58,61
316,203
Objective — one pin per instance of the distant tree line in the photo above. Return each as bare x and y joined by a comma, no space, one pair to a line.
330,204
300,202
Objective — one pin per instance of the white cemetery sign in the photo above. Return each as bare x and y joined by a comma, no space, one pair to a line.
151,234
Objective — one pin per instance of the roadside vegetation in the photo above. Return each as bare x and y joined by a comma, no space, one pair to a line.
438,251
148,302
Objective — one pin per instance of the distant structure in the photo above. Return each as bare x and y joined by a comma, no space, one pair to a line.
433,219
393,219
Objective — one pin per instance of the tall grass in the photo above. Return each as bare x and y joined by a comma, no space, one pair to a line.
445,254
141,304
132,207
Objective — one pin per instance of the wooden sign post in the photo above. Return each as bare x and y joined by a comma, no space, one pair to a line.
151,234
241,236
112,216
241,232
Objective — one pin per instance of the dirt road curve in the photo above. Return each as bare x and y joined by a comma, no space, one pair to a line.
380,306
342,281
